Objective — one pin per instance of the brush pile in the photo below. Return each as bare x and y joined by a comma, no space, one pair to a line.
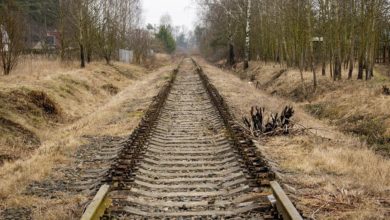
386,90
275,124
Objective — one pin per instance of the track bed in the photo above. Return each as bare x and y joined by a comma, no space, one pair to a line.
189,166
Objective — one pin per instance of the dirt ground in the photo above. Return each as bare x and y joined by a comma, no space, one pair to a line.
328,174
48,182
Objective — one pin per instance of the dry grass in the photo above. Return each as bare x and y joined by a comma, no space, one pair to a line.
89,110
331,179
355,106
33,68
51,96
328,174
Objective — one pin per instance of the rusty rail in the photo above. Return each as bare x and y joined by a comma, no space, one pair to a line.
254,162
283,204
98,205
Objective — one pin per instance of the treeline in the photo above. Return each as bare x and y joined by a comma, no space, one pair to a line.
91,28
301,33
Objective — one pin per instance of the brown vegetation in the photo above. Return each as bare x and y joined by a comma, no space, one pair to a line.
386,90
52,95
85,109
355,107
329,175
339,34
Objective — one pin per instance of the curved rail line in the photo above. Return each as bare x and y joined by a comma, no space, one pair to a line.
188,159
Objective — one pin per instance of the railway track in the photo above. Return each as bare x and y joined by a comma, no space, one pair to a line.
188,159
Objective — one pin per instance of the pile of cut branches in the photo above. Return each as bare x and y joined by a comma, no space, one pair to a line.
275,124
386,90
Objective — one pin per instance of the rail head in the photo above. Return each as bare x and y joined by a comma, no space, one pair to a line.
98,205
283,204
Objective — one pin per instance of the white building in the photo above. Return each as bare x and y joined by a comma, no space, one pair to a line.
126,56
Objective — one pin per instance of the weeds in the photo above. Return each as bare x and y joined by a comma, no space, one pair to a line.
386,90
369,128
335,175
111,89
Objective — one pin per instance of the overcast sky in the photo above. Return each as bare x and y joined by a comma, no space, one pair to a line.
183,12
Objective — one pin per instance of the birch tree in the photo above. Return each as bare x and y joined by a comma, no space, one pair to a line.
247,33
302,33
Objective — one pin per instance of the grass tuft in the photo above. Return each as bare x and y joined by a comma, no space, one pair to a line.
111,89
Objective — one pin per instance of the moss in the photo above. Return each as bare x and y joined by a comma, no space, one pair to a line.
13,133
167,77
372,129
79,83
369,128
380,78
324,110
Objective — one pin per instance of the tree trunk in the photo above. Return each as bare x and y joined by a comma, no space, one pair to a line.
368,74
62,49
352,42
388,52
331,67
312,65
350,71
323,68
107,57
314,77
247,34
62,29
6,68
81,37
337,69
301,64
89,45
82,56
361,67
287,57
89,54
351,58
370,67
231,59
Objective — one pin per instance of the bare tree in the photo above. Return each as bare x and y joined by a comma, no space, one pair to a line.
299,33
141,45
107,29
78,12
11,35
115,29
62,18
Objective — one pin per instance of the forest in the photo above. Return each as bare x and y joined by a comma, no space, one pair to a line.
308,34
83,30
